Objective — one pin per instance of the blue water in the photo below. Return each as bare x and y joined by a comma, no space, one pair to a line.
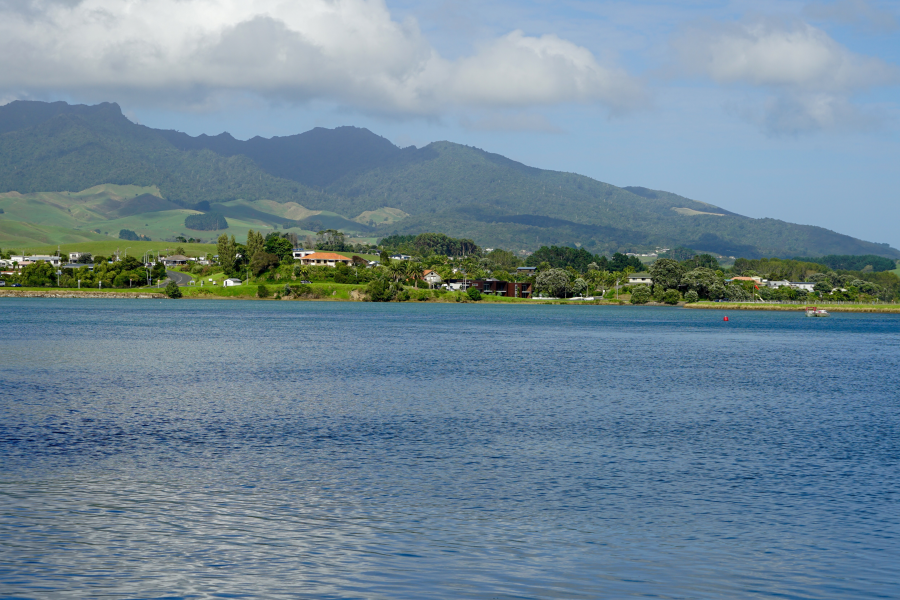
214,449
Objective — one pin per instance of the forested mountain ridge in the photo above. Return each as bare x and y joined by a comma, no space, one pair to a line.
347,173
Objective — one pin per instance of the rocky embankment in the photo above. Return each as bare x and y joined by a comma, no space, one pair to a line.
77,294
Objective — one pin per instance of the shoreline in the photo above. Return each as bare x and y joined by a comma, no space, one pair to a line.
58,293
848,308
148,295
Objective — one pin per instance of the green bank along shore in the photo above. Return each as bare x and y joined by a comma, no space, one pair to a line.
328,292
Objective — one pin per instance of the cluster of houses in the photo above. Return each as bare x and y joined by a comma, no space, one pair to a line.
806,286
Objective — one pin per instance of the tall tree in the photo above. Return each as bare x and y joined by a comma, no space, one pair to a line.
255,243
667,273
227,253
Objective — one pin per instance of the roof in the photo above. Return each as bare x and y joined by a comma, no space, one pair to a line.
175,257
527,268
325,256
641,275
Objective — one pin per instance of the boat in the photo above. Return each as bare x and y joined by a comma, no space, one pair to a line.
812,311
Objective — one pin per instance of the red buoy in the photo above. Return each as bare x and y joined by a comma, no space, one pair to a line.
726,318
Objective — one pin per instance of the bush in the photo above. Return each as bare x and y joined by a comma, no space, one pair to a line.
691,297
262,292
474,294
640,295
378,290
262,262
671,297
172,290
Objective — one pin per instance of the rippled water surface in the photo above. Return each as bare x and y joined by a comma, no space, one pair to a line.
212,449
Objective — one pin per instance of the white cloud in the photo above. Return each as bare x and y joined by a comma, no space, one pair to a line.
346,51
811,77
770,52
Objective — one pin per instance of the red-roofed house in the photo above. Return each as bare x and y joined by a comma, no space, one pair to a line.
325,259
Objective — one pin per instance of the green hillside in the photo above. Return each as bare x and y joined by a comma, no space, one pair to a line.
99,213
349,179
16,234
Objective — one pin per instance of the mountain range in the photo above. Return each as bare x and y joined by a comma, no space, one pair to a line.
89,171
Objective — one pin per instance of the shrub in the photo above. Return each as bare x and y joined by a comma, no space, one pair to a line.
671,297
378,290
691,297
262,262
640,295
172,290
262,292
474,294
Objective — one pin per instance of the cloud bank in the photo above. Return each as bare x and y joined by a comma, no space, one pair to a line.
351,52
810,77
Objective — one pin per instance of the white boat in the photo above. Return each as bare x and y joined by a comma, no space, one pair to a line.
812,311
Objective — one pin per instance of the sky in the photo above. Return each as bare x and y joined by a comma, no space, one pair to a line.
780,109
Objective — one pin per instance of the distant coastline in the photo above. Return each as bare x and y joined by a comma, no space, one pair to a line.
355,295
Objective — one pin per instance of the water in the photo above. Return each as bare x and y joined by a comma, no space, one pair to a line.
213,449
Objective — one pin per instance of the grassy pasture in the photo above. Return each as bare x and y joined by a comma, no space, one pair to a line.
16,234
108,247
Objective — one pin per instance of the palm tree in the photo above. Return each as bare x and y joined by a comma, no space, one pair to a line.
396,269
412,270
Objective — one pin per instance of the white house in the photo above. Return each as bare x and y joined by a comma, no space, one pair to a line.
27,260
401,257
806,286
231,281
640,278
432,278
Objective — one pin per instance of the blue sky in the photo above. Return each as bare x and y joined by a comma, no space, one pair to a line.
770,109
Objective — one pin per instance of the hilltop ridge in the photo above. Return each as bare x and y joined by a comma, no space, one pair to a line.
355,180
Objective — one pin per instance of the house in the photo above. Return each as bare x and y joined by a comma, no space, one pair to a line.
401,257
176,260
299,253
27,260
75,257
325,259
432,278
756,280
511,289
640,278
526,271
805,286
231,281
